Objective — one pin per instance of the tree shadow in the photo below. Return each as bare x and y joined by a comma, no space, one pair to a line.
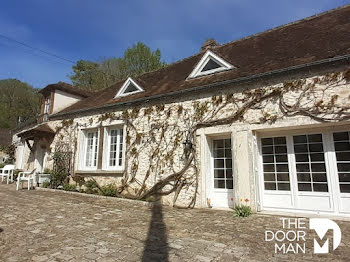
1,230
156,245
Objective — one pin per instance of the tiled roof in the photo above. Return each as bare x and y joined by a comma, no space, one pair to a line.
309,40
66,88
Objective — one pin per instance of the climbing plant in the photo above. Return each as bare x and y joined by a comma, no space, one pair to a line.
159,131
62,158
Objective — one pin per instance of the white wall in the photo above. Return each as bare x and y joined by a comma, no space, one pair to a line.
63,100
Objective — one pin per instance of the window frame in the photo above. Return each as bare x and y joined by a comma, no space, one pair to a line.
107,146
126,85
225,168
47,105
344,194
209,55
83,149
292,162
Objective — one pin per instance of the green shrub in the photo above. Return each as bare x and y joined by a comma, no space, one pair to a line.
46,184
91,187
242,211
57,178
109,190
2,165
70,187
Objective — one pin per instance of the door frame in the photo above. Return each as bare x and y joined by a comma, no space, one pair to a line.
209,173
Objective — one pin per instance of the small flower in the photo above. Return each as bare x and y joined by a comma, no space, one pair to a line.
231,198
246,200
241,200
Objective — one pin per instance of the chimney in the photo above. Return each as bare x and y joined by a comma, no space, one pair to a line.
211,42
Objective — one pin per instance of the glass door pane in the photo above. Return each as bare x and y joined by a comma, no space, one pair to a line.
222,163
275,163
310,163
342,151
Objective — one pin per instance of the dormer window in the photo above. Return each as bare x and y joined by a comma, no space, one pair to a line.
210,63
129,87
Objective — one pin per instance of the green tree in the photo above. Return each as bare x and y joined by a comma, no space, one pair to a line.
136,60
17,99
88,75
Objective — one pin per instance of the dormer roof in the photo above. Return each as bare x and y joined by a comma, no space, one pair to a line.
65,87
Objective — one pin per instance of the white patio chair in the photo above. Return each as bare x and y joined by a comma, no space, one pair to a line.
7,171
26,176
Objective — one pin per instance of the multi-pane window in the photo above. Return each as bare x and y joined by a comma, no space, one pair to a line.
275,163
47,105
310,163
222,156
342,151
91,149
115,137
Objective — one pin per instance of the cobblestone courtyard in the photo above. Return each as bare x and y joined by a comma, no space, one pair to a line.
54,226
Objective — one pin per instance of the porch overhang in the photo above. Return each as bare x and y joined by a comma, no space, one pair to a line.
39,131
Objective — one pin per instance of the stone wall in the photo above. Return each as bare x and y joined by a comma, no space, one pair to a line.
156,132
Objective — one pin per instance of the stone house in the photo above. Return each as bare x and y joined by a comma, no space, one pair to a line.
263,119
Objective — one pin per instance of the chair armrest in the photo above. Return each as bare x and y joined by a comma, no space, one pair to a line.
23,174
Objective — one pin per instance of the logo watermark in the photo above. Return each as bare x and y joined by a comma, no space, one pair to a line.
292,237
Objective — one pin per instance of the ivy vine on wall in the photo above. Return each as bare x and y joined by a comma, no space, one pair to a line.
159,131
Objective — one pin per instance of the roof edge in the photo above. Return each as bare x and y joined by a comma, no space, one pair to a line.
68,88
203,87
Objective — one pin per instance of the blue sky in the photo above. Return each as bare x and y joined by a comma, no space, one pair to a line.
94,29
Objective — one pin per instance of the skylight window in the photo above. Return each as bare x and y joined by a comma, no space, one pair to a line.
210,64
129,87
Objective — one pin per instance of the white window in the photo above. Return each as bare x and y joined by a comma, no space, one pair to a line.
114,148
342,151
308,162
210,63
306,171
90,151
275,163
47,105
129,87
222,157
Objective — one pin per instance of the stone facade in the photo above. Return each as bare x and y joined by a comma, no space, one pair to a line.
155,132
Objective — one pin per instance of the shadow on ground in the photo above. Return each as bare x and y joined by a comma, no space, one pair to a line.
156,245
1,230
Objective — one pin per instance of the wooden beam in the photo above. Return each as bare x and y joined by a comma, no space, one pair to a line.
29,145
52,101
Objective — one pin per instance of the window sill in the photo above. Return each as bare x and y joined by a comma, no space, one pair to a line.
99,172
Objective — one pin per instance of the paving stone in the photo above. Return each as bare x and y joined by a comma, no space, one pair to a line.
30,222
54,226
40,258
203,258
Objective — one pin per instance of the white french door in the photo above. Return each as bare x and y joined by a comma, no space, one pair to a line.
220,176
341,149
306,172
